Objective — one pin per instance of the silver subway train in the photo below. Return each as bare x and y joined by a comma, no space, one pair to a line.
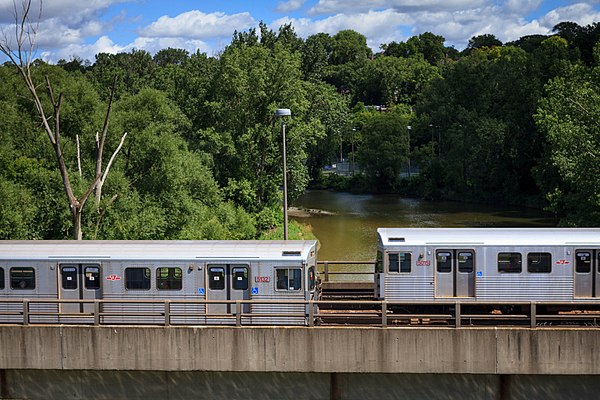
159,270
487,265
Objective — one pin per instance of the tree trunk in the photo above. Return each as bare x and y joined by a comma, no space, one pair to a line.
76,215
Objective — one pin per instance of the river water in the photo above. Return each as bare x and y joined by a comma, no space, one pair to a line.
346,223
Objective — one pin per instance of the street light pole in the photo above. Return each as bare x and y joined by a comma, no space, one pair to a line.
408,128
283,112
353,131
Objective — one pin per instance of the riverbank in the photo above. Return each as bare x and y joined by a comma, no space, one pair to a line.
346,224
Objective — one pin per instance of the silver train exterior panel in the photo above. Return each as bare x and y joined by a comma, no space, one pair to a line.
161,270
485,264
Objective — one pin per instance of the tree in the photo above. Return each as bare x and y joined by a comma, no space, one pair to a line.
430,46
349,46
479,41
134,71
170,56
569,114
316,55
385,147
21,57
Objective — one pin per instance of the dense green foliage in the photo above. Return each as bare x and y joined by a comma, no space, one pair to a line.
514,123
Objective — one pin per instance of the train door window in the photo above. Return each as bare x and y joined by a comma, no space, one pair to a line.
239,276
539,263
510,263
91,277
216,278
22,278
466,262
69,277
169,278
312,279
288,278
1,278
137,278
583,262
444,261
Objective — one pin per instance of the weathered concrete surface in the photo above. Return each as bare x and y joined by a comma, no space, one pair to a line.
34,384
278,349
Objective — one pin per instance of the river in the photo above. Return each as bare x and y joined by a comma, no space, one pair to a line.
346,224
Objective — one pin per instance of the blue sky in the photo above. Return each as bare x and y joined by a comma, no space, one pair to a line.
79,28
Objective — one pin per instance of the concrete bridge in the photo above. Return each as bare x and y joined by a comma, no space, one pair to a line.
131,362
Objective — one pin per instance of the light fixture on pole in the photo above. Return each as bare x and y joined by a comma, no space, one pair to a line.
284,112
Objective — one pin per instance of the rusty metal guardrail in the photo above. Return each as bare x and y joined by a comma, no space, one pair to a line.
452,313
326,272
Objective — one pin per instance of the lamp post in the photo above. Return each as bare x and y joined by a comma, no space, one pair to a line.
408,128
284,112
353,132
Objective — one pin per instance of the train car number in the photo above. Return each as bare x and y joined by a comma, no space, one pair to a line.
423,263
262,279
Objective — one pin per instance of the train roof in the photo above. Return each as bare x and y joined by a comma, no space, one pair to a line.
157,250
489,236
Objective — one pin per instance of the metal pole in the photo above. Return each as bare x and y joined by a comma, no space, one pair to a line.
408,134
285,207
353,130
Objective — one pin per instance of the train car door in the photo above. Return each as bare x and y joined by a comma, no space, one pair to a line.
227,282
455,273
587,276
79,282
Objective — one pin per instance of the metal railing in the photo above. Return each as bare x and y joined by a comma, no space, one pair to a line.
303,312
326,272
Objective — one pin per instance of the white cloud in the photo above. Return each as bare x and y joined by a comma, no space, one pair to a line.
289,6
581,13
69,11
198,25
356,6
378,26
105,45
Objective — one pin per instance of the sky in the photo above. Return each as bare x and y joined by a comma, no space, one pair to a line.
83,28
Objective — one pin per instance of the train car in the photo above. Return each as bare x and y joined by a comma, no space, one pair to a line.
504,264
160,270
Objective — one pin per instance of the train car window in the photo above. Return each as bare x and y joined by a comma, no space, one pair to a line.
1,278
583,262
22,278
137,278
466,262
393,262
169,278
399,262
216,278
379,262
444,261
69,277
92,277
288,278
312,279
239,276
539,263
510,263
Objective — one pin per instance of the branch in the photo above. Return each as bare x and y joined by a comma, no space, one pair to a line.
100,144
78,156
112,158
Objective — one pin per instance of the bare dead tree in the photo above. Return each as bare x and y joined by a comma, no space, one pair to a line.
21,50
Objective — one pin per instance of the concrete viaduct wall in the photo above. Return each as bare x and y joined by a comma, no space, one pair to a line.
491,351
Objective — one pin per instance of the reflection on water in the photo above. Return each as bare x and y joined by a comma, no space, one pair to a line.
349,233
